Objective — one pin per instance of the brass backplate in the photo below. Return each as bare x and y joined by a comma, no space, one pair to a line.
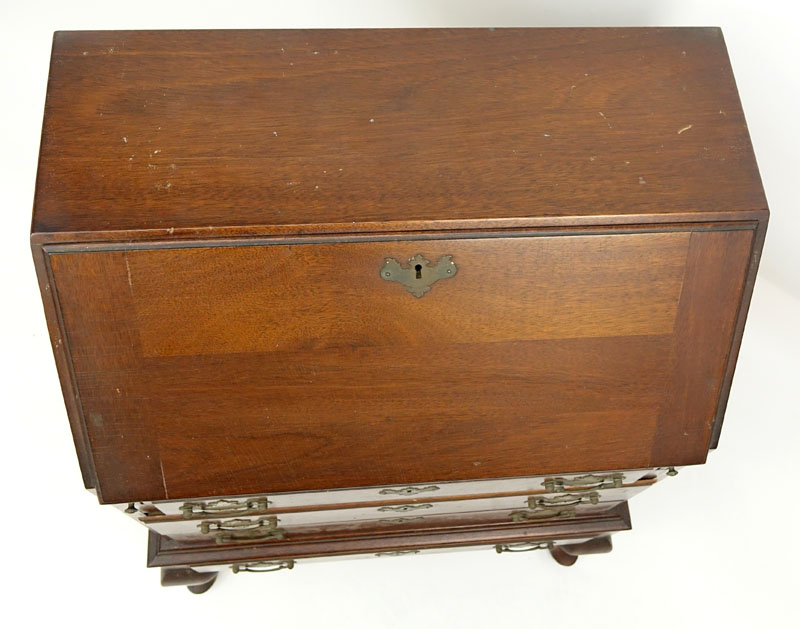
418,275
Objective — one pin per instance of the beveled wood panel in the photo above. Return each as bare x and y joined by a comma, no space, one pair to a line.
196,129
362,408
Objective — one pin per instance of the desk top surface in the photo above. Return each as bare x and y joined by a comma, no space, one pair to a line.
174,130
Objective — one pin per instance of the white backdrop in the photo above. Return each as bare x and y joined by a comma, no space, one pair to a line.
714,546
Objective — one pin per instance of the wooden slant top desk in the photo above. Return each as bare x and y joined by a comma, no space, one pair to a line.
358,292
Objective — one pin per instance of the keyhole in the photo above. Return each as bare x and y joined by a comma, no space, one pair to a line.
418,269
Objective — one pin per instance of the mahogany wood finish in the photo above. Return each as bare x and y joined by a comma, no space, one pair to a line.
176,130
268,350
196,582
150,515
213,209
164,551
567,554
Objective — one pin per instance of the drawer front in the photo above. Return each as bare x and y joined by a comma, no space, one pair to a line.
224,370
401,516
243,506
271,530
276,565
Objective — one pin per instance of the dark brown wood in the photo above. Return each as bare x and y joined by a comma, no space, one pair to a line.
698,357
424,524
213,209
196,582
248,346
567,554
755,259
55,327
334,502
202,588
197,129
164,551
387,230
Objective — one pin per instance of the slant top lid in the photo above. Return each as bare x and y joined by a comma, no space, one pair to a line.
196,129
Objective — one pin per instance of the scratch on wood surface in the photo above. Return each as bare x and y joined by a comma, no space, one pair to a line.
603,116
163,477
686,128
128,269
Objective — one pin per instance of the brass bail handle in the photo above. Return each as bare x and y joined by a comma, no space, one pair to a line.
263,566
523,547
418,275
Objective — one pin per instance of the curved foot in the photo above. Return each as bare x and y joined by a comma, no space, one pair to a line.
203,587
562,556
196,582
567,554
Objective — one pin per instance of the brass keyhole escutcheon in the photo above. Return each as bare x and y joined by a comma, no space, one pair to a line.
420,274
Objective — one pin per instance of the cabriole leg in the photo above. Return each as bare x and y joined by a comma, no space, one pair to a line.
567,554
196,582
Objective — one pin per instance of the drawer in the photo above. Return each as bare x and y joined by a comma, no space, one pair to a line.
208,370
400,495
453,531
276,565
272,529
390,518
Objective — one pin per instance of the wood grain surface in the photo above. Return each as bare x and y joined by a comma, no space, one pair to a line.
238,370
164,551
196,129
213,208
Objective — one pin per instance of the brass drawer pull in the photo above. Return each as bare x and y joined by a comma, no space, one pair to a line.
543,514
523,547
566,500
263,534
418,276
404,508
596,481
263,566
224,507
400,520
253,535
236,525
396,553
407,491
260,530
